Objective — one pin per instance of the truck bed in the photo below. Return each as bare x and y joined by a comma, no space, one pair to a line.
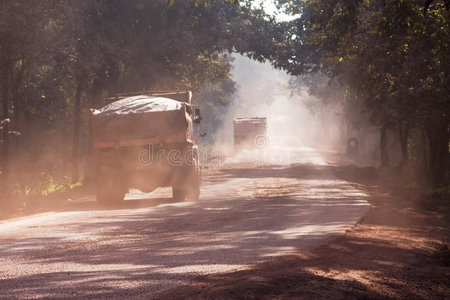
140,120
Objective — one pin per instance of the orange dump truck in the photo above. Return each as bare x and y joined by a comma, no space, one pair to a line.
250,133
145,141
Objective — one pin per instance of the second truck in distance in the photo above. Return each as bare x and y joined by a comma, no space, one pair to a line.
250,133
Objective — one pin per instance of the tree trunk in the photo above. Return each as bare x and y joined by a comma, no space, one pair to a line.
5,117
17,126
403,130
384,154
438,133
424,148
76,133
17,107
89,166
343,132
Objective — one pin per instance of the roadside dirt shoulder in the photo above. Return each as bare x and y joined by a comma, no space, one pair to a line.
391,253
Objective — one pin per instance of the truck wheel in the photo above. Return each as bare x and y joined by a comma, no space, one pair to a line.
109,191
187,187
110,197
193,190
193,194
178,194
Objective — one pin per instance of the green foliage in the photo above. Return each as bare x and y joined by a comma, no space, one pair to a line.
390,57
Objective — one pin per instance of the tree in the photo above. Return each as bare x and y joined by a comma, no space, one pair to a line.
24,41
429,2
390,57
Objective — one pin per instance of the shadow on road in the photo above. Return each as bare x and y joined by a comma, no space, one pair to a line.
126,204
147,245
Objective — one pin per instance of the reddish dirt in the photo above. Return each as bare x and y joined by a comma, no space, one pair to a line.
390,254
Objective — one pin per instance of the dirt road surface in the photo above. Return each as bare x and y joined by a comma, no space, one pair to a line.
253,207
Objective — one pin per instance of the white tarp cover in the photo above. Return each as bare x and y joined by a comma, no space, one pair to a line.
138,104
139,117
249,126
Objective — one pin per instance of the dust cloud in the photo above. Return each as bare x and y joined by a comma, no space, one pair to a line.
264,91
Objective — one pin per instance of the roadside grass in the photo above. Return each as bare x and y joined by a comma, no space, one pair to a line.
29,199
436,200
442,254
411,190
51,188
400,181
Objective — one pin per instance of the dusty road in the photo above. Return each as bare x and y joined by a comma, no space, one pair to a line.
251,209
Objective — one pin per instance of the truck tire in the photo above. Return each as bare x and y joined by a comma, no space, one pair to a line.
109,190
193,193
187,184
110,198
190,194
178,194
190,191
